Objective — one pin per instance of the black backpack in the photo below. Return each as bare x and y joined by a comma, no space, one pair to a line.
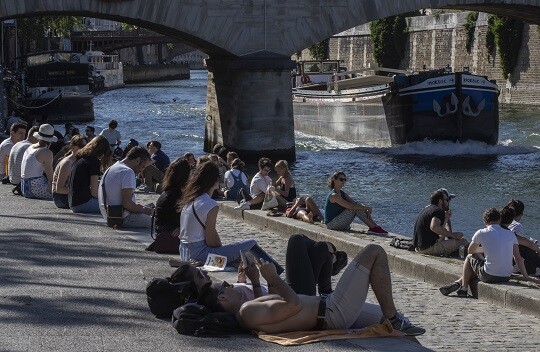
165,296
196,320
403,243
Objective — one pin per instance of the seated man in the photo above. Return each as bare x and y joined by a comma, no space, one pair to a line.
492,262
287,311
259,186
17,133
16,155
433,225
119,183
153,174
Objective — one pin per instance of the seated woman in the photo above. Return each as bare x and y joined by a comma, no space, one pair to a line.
84,177
304,209
284,185
36,166
198,234
167,218
340,209
235,179
62,171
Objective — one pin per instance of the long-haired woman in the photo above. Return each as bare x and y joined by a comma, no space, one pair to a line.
167,218
198,234
340,209
84,176
62,171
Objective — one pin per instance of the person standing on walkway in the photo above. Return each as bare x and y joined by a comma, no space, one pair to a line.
112,135
17,133
37,165
340,209
490,255
433,231
120,182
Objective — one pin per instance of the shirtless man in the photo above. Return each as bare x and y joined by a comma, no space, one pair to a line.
288,312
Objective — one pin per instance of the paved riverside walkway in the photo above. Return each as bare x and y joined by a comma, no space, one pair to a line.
69,283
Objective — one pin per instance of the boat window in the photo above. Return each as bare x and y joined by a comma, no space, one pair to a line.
312,67
330,67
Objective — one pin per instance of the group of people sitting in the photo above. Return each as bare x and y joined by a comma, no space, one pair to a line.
340,209
494,253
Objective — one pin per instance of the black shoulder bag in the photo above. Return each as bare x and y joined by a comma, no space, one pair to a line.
115,213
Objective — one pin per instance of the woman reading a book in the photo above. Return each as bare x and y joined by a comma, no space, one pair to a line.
198,234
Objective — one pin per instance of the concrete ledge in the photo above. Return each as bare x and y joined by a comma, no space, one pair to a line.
433,270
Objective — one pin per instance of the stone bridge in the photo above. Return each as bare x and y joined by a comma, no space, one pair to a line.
250,42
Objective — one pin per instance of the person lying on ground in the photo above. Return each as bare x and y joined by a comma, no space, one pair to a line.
340,209
433,231
304,209
289,312
198,233
490,255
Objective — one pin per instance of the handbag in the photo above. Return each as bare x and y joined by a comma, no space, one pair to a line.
270,201
166,242
115,213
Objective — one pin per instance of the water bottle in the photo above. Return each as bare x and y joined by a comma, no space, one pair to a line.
462,251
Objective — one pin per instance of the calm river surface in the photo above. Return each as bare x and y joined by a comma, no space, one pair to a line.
395,181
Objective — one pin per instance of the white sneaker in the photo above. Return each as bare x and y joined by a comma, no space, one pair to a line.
243,206
144,188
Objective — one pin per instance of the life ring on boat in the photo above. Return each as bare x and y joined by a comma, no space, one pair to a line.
305,79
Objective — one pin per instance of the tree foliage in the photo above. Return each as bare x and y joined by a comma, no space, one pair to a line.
470,26
389,38
507,34
319,51
35,29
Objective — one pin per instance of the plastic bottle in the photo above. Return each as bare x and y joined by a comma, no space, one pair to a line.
462,251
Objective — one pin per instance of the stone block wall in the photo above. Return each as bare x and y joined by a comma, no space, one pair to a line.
437,41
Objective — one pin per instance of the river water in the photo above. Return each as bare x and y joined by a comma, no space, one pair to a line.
395,181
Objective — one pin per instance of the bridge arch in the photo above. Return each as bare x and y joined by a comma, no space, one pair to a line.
250,43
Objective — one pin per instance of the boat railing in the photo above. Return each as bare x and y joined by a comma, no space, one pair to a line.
362,78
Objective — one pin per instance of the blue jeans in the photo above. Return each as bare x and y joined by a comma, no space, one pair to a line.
92,207
61,200
199,250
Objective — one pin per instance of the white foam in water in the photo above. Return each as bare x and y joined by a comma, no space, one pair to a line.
316,143
448,148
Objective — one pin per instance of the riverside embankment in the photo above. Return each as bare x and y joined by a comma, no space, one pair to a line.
69,282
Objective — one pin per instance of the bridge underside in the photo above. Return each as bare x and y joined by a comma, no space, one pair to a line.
529,14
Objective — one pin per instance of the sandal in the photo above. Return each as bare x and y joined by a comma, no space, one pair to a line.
274,213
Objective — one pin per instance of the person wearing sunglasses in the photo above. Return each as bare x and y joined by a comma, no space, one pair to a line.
340,209
433,233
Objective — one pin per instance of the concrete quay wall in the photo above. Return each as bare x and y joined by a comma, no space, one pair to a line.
138,74
437,41
433,270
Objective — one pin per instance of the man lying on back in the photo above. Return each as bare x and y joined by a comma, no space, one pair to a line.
287,311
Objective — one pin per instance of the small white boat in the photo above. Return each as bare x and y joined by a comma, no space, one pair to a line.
107,70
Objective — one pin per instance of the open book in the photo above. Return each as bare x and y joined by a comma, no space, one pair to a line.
215,262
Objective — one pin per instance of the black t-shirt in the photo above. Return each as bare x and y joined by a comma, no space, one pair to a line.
423,236
79,179
167,218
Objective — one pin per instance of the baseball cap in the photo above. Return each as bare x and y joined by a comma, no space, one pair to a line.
448,194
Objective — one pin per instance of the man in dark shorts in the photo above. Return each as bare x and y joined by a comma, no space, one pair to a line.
490,256
433,231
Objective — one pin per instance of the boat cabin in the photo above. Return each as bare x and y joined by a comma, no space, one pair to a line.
316,71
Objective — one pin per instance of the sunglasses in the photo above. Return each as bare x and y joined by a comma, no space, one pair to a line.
223,286
342,179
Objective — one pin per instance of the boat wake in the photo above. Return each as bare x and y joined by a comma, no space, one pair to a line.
448,148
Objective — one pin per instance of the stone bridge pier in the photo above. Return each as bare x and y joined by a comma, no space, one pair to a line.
249,106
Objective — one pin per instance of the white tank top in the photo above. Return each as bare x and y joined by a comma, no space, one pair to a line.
190,229
30,166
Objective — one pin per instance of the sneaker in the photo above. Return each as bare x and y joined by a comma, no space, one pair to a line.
377,230
446,290
402,323
462,293
243,206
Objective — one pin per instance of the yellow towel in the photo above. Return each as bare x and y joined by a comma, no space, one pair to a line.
304,337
